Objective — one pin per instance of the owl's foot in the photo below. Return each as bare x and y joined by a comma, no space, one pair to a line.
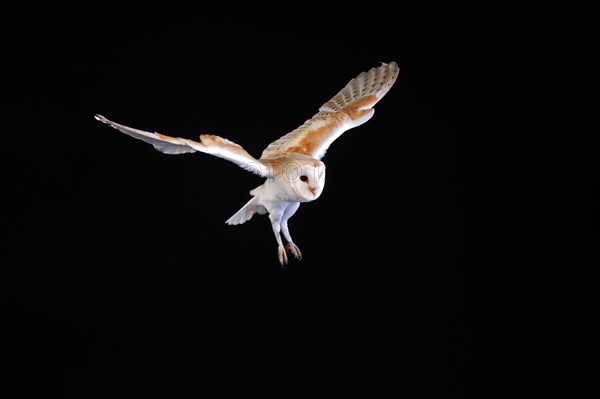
294,250
282,255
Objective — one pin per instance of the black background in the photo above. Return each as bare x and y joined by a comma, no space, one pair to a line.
424,271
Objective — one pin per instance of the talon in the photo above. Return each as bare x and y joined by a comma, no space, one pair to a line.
294,250
282,255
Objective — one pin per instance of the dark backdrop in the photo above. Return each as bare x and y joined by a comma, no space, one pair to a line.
421,274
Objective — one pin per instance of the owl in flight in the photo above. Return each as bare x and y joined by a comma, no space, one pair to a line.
291,165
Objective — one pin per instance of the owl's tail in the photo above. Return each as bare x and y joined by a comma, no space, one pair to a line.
243,215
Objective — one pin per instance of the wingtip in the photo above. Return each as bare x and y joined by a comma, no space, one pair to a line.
103,119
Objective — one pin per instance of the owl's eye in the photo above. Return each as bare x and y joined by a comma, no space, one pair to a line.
304,178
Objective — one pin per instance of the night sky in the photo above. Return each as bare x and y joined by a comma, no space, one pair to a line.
422,273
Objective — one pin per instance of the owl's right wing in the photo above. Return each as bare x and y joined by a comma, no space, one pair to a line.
208,144
351,107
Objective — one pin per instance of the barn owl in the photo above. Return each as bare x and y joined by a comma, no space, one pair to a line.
291,165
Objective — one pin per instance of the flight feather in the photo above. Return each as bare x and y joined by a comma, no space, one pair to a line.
208,144
349,108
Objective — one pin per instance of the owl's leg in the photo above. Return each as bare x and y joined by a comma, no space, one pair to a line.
290,246
275,218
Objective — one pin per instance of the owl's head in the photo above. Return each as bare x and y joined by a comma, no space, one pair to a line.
307,179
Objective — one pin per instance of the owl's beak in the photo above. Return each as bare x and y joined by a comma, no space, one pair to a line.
313,190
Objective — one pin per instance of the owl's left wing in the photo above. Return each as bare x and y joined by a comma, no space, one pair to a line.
351,107
208,144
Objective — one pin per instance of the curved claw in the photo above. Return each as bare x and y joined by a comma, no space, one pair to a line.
282,255
294,250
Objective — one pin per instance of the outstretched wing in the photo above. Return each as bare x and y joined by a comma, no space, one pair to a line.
209,144
351,107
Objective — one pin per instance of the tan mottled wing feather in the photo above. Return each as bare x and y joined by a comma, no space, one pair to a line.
351,107
209,144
